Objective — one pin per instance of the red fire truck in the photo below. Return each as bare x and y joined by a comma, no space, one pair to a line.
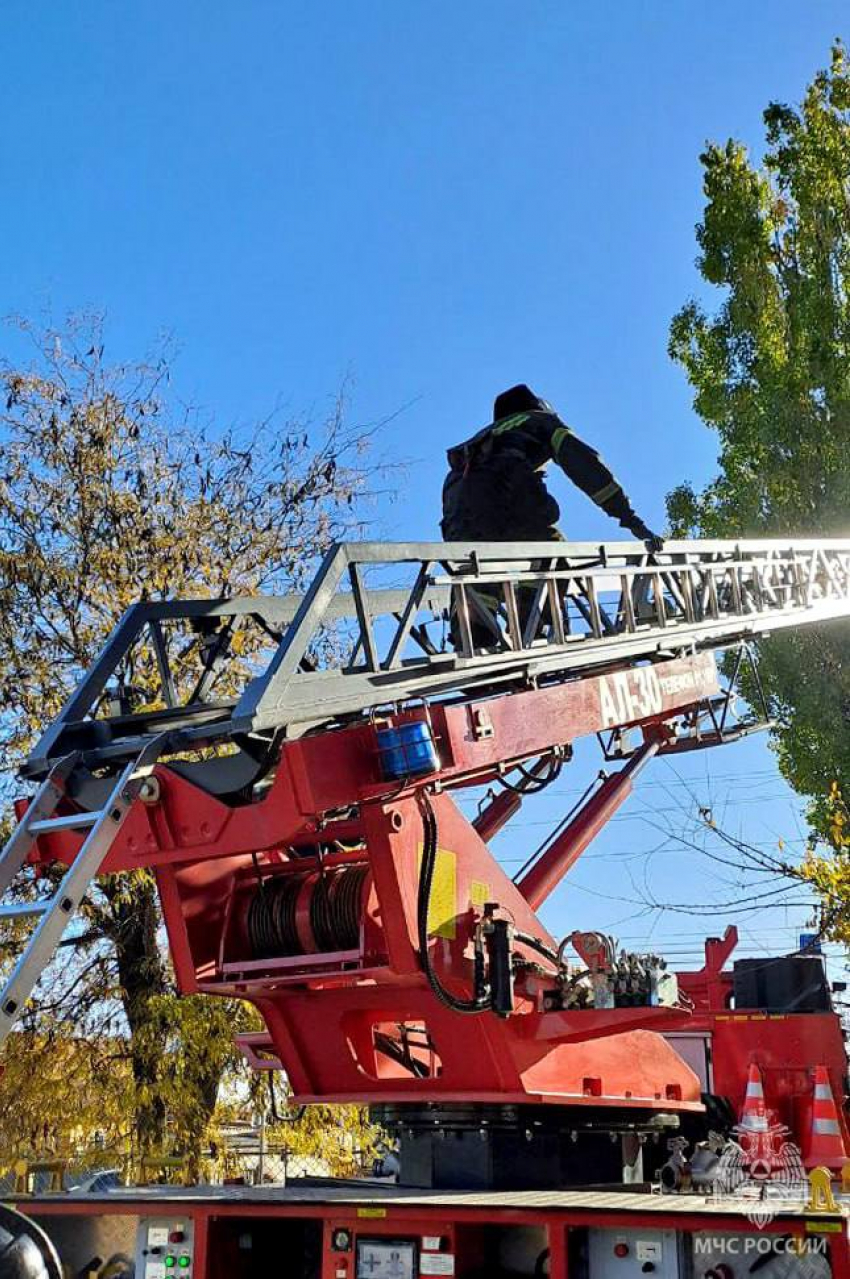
287,769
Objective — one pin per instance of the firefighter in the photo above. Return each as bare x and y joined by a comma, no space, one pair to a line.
495,490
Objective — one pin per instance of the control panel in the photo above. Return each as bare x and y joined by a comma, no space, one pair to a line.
634,1254
386,1259
386,1254
165,1248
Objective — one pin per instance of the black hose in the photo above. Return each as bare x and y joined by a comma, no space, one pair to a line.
534,943
532,784
277,1117
390,1048
556,763
480,1003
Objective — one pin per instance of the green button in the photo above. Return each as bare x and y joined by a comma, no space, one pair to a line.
170,1262
185,1261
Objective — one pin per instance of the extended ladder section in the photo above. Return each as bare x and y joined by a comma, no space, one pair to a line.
385,623
56,912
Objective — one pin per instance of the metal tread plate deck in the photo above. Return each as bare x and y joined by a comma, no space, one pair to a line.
602,1200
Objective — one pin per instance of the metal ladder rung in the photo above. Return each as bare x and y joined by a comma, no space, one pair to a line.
55,913
26,910
44,804
74,821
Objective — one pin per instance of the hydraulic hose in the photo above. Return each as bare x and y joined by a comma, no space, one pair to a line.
534,943
532,784
479,1003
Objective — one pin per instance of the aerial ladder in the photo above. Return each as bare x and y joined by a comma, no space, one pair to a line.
286,768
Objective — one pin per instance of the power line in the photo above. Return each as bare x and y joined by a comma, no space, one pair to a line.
630,817
760,777
690,934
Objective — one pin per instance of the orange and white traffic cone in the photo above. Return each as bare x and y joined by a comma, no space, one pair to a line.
754,1116
824,1147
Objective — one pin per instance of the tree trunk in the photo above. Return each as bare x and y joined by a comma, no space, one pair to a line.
142,975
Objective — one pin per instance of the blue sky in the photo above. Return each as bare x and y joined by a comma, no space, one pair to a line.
438,199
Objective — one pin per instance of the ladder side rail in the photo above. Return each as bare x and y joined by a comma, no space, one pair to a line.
59,910
93,683
281,609
43,805
677,572
275,610
605,554
314,698
266,694
125,633
495,569
662,598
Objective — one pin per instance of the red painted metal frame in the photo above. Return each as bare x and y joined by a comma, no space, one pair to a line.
785,1046
328,1014
448,1218
566,848
322,774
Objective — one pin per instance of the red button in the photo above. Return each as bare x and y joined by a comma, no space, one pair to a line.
621,1250
176,1236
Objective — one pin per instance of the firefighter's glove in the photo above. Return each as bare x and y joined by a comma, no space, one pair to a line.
651,540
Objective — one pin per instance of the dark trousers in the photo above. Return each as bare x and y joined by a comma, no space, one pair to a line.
481,508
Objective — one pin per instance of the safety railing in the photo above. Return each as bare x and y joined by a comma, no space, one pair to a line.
534,610
386,622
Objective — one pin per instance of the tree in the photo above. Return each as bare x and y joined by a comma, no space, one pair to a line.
110,493
770,368
59,1092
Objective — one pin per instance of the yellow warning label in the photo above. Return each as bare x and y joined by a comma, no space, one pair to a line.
373,1214
751,1017
479,893
442,909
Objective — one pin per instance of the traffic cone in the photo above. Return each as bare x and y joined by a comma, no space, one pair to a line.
825,1145
754,1117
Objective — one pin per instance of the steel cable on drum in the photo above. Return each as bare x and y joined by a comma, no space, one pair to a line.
335,912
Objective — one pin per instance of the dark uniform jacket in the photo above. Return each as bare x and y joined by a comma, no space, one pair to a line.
495,490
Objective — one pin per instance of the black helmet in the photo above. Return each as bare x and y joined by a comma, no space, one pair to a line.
25,1250
519,399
